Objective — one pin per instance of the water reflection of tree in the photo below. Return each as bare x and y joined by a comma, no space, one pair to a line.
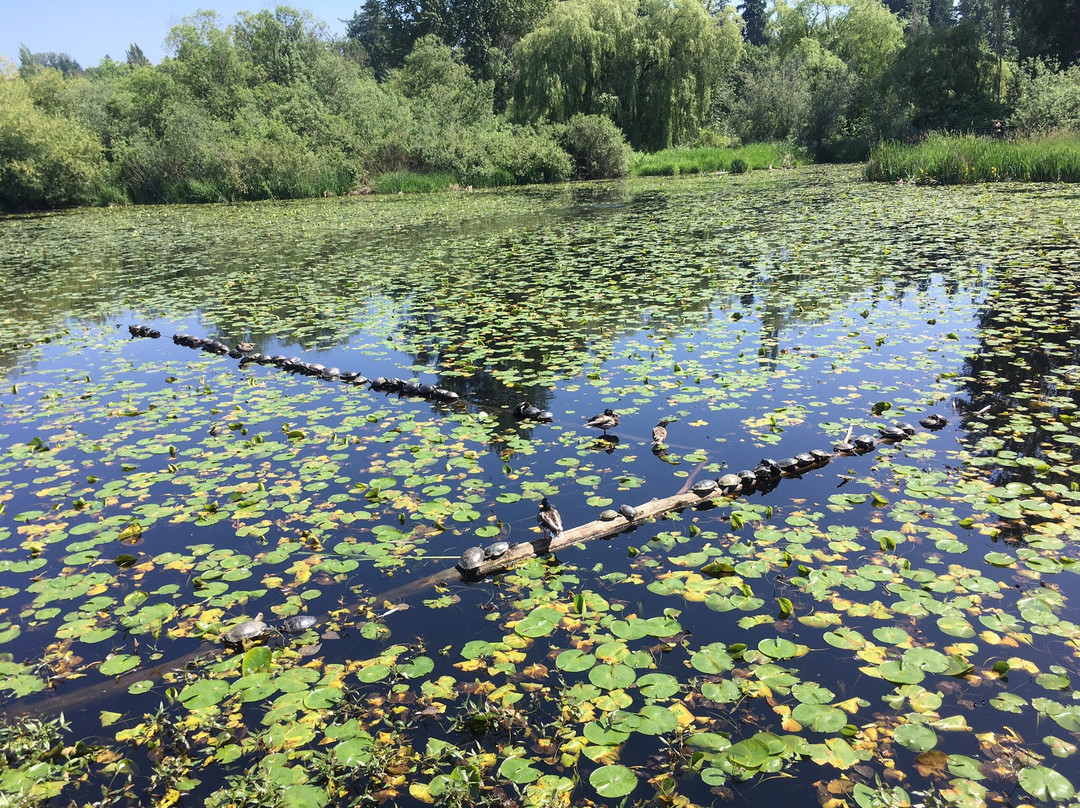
1025,370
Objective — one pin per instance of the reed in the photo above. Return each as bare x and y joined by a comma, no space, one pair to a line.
958,160
672,162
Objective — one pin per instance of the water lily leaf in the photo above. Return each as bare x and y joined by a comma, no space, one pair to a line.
574,661
614,781
916,737
1046,784
538,623
519,770
712,659
203,693
256,659
119,663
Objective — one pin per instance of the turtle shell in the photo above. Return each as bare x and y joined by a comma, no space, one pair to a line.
933,421
298,623
609,514
864,443
904,425
704,487
730,482
496,549
821,456
892,433
748,478
788,464
471,559
331,373
805,460
629,511
844,447
248,630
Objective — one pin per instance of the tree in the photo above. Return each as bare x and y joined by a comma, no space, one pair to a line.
652,67
1048,29
46,160
943,78
754,17
135,57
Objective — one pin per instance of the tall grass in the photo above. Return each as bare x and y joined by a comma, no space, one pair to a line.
958,160
411,182
671,162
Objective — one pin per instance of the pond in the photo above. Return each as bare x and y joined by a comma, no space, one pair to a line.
879,628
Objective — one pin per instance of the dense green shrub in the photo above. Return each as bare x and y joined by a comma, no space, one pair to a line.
46,160
597,147
1050,99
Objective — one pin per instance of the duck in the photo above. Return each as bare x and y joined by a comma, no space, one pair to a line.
549,519
659,433
605,421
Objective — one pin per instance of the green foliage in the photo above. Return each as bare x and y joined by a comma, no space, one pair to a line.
1050,99
704,160
652,67
950,160
942,79
46,160
597,147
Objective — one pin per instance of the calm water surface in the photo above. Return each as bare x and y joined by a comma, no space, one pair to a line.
154,495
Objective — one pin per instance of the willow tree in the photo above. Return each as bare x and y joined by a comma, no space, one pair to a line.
651,66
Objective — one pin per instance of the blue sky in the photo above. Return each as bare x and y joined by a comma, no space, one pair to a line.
87,30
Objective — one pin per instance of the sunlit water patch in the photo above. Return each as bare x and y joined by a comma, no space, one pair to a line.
894,625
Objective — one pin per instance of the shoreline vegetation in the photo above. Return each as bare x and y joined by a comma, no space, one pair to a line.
961,160
270,105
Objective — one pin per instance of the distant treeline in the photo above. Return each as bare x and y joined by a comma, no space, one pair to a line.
496,92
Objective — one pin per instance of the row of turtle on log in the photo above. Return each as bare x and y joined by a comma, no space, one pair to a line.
764,477
246,353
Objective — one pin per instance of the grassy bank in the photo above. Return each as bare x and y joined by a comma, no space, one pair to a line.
957,160
670,162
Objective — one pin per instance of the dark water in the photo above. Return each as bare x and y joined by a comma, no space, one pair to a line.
763,315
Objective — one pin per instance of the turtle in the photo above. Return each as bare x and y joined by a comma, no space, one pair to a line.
427,391
788,465
749,480
545,417
730,483
248,630
892,433
496,549
934,422
767,469
805,460
330,374
278,360
864,443
821,456
705,488
904,425
411,388
609,514
471,560
316,368
446,396
844,447
520,410
298,623
153,333
262,359
235,354
629,511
